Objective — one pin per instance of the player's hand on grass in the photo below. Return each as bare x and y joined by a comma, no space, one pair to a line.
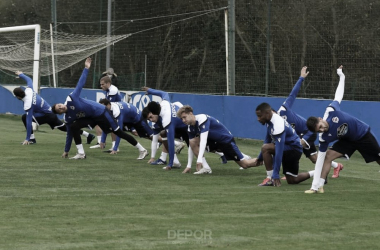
65,155
134,132
102,145
276,182
151,160
26,142
186,171
168,168
113,152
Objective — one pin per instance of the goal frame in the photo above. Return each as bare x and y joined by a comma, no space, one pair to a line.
37,50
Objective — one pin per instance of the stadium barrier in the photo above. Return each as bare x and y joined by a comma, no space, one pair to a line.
237,113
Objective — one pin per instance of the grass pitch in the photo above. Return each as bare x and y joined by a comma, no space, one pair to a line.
118,202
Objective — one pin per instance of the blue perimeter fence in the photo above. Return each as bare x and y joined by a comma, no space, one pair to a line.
237,113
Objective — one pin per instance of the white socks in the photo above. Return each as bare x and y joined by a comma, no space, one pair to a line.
205,164
311,173
138,145
80,149
163,156
269,174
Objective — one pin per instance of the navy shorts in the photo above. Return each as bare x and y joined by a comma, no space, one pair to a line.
367,146
105,121
51,119
142,129
230,150
290,162
313,149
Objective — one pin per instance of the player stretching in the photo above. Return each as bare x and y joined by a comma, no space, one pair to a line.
351,133
113,95
299,124
164,115
80,112
281,144
205,130
127,115
39,111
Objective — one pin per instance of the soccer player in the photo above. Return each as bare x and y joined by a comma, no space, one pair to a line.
79,112
164,115
298,123
112,75
351,134
39,111
205,130
113,95
128,115
281,145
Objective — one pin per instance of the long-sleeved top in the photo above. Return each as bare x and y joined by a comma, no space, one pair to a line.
34,105
78,107
124,113
112,94
284,137
207,127
295,120
168,120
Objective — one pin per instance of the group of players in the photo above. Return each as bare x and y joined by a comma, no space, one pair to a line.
288,134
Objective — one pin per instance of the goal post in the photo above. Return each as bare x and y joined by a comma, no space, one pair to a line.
37,51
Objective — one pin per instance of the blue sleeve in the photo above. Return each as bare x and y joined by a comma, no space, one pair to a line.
103,138
170,130
162,94
335,105
307,135
120,123
277,160
260,157
268,139
29,127
148,129
69,138
28,80
80,84
292,96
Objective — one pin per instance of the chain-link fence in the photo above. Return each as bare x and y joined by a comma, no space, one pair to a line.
180,46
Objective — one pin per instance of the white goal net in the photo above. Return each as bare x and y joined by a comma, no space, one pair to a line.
17,49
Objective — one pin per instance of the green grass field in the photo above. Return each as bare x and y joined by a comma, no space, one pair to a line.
118,202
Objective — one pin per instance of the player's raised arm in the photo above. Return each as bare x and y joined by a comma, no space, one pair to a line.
293,94
82,79
164,95
340,89
26,78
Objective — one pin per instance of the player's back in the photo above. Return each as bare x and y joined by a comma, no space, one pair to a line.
278,126
297,122
82,108
344,126
216,130
131,114
36,102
